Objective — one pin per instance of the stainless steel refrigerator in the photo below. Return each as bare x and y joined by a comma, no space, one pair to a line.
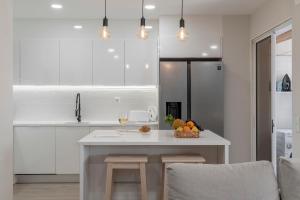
194,90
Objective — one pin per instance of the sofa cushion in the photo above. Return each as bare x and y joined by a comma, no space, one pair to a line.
289,178
247,181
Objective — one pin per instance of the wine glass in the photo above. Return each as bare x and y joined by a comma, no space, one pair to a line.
123,120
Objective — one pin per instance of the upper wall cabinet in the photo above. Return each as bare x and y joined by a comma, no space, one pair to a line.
39,62
108,62
141,62
205,33
76,62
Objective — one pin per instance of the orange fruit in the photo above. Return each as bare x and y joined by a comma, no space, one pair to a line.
186,129
178,123
190,124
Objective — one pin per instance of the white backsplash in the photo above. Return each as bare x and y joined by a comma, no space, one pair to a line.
40,104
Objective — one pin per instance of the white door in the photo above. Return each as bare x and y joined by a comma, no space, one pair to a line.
34,150
67,149
76,62
108,62
141,62
39,62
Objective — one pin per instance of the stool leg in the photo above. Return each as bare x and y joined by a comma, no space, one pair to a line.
162,180
144,193
109,176
165,192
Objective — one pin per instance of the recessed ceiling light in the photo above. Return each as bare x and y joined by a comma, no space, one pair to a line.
148,27
116,57
110,50
150,7
147,66
214,47
56,6
127,66
204,54
77,27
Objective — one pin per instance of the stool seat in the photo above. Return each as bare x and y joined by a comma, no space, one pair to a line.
128,162
126,159
182,159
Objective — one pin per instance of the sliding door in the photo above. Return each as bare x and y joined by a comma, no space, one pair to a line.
264,124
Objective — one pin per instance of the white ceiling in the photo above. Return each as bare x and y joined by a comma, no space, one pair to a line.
129,9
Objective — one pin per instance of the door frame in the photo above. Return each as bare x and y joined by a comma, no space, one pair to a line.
253,42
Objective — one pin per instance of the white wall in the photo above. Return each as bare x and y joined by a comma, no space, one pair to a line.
271,14
6,136
237,86
296,81
58,104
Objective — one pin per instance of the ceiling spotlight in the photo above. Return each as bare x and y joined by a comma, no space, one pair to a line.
150,7
214,46
116,57
204,54
111,50
147,66
78,27
127,66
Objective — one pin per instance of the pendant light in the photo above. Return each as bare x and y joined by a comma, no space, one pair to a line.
104,32
182,34
143,34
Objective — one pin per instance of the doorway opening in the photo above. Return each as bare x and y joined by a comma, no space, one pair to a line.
273,91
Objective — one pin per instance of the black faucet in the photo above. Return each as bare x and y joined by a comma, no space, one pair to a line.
78,108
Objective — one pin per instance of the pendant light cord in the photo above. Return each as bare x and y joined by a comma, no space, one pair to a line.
142,8
181,9
105,7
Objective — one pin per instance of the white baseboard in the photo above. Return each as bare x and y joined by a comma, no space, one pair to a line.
72,178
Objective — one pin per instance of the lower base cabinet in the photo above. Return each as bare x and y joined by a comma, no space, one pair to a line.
50,150
67,149
34,150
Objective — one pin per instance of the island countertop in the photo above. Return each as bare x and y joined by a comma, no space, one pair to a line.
154,138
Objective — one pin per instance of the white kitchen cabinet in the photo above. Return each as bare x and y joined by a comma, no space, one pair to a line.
67,149
108,62
16,60
76,62
34,150
141,62
39,62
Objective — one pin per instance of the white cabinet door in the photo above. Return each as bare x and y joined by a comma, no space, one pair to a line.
16,60
67,149
39,62
76,62
108,62
34,150
141,62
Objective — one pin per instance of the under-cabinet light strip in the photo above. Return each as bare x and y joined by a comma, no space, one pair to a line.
69,87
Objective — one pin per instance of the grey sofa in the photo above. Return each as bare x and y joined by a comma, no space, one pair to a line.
246,181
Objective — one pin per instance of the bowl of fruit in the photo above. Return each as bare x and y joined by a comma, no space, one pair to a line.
184,129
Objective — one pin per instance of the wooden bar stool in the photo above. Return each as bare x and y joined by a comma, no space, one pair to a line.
126,162
171,159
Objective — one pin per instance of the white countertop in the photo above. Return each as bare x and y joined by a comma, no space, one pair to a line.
156,137
74,123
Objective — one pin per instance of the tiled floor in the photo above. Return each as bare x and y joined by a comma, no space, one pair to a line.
46,191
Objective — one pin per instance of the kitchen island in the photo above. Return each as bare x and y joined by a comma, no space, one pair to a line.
100,143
